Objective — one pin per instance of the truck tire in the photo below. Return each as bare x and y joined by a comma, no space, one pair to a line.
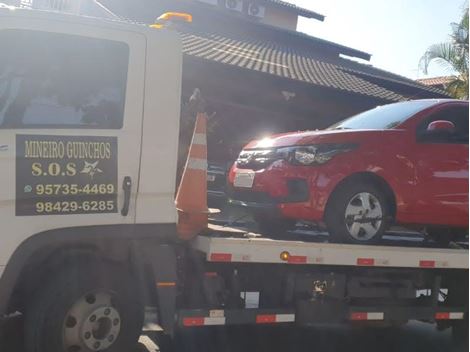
86,306
349,209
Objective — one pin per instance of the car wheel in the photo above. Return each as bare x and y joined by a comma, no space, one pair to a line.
272,226
357,213
90,306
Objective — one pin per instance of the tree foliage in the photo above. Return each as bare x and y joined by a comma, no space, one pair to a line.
453,56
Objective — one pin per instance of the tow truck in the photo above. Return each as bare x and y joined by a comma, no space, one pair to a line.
89,124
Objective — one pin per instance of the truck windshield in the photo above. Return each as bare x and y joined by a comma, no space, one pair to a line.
383,117
53,80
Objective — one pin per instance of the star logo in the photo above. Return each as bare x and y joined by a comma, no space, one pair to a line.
91,169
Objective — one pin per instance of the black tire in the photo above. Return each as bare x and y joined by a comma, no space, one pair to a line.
45,320
272,226
335,218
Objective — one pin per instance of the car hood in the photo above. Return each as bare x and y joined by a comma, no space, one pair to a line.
315,137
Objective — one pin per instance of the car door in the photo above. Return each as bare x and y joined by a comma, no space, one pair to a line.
71,98
442,169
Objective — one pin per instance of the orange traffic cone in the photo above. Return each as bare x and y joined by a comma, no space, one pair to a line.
191,199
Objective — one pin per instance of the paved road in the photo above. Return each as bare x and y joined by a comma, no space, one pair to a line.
414,337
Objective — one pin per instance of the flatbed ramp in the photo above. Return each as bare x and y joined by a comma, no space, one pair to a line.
236,248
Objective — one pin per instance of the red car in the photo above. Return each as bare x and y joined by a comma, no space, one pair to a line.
404,163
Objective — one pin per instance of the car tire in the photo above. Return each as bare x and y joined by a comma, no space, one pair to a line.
272,226
357,201
86,306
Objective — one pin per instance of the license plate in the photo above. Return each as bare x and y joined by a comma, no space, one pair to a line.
244,179
211,178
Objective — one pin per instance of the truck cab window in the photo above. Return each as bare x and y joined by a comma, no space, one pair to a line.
50,80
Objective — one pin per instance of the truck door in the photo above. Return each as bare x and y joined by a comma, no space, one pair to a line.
71,98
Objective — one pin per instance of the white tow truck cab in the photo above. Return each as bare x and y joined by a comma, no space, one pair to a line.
89,125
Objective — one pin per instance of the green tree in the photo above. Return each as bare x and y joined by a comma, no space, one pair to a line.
453,56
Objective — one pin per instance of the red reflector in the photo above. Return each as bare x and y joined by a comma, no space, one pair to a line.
427,263
265,319
221,257
297,259
365,261
358,316
210,274
442,316
195,321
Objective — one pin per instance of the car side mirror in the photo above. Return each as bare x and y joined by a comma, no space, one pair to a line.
441,127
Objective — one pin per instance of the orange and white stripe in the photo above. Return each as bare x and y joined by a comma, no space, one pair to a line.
197,159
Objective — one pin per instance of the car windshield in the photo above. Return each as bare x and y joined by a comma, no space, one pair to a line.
383,117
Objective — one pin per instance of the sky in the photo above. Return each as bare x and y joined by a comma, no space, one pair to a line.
395,32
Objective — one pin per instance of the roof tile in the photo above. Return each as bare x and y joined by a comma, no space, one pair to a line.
283,61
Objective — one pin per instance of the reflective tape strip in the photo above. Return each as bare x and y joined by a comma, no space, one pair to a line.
447,315
200,139
456,315
193,321
375,316
166,284
221,257
427,263
297,259
202,321
197,164
365,261
274,318
265,318
214,321
367,316
285,318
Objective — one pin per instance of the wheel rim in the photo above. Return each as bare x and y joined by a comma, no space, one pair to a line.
363,216
92,324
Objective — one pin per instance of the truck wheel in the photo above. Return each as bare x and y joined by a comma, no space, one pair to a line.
89,306
357,213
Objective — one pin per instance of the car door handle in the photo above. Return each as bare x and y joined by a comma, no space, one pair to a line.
126,186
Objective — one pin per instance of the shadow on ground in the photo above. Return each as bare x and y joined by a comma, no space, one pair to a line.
413,337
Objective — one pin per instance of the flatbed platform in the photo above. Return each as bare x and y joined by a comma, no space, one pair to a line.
228,244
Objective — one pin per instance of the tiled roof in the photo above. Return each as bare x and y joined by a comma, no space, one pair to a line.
276,57
435,81
299,10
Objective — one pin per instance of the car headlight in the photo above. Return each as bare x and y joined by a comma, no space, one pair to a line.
305,156
313,154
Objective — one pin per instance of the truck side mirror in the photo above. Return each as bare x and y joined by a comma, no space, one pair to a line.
441,127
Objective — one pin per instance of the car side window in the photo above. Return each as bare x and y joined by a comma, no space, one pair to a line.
52,80
458,115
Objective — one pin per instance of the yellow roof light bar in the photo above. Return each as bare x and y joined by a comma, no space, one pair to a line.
168,17
181,16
